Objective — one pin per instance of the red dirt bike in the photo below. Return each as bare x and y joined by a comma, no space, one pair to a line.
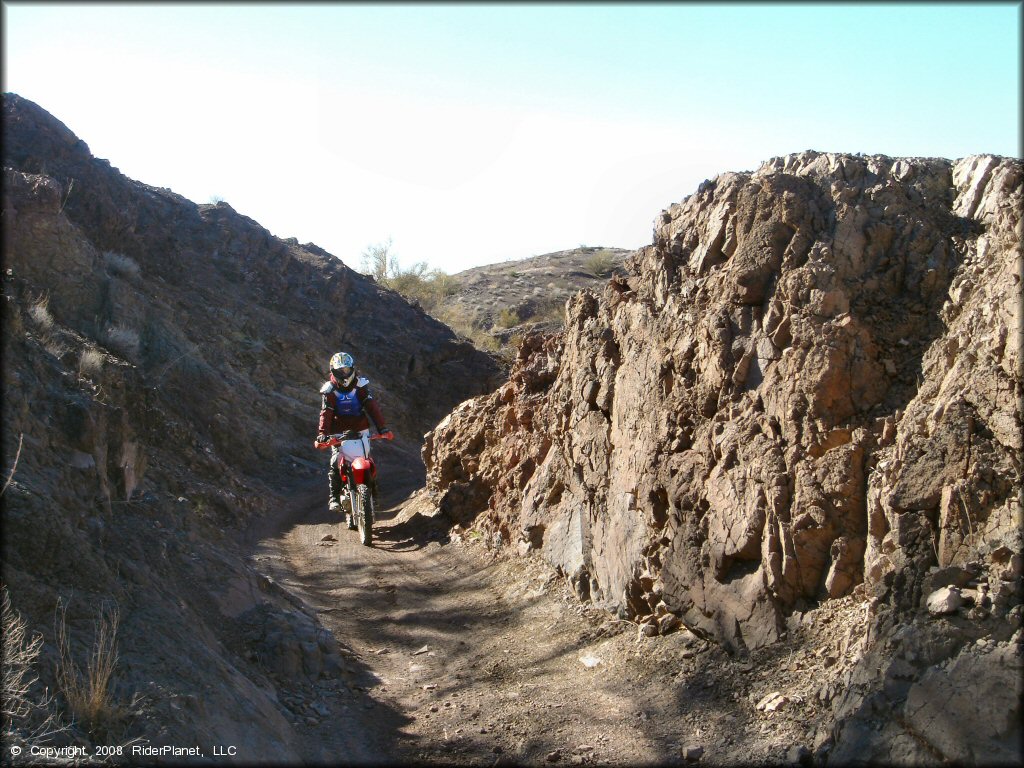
359,474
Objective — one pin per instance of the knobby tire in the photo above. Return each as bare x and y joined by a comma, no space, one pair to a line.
365,516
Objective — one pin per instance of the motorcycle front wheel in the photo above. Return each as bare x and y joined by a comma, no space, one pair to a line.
349,517
365,514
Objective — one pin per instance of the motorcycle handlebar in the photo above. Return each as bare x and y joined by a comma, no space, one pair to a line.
340,437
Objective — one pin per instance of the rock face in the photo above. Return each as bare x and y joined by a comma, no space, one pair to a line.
811,380
162,362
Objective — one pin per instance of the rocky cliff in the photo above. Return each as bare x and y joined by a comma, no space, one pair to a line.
162,362
808,386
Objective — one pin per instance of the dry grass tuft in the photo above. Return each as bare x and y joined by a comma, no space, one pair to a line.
40,313
48,332
91,363
88,691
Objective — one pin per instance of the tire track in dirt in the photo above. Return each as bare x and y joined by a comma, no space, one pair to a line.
453,656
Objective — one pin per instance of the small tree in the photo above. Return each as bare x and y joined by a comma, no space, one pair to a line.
379,261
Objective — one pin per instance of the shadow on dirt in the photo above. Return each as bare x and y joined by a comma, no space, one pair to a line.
412,534
445,661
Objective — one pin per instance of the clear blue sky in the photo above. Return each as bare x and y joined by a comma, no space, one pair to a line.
477,133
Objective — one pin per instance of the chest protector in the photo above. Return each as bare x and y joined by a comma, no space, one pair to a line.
347,403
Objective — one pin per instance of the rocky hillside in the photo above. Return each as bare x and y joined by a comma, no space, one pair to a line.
807,388
523,295
162,362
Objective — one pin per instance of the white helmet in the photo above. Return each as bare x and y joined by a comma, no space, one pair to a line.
343,368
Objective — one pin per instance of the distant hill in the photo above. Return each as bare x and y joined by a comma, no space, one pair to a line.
498,301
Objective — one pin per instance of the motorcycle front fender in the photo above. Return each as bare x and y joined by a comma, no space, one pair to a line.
363,471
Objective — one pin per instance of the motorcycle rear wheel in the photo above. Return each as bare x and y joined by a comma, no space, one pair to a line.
365,514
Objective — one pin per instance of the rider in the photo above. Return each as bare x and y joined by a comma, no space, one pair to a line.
346,404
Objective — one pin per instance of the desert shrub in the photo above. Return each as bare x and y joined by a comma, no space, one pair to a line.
124,340
88,691
508,318
20,653
121,265
601,263
443,285
408,282
26,714
427,287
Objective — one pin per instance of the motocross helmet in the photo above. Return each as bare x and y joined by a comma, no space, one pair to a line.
343,369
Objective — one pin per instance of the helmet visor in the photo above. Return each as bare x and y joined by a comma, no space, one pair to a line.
343,373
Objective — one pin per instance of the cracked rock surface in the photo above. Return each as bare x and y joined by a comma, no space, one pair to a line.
808,383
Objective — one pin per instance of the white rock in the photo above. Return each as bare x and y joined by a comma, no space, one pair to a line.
771,702
943,601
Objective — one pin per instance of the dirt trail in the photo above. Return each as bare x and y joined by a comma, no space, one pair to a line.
455,656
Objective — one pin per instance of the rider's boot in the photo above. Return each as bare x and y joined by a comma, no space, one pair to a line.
334,504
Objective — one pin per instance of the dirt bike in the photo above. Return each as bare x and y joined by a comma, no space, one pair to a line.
359,474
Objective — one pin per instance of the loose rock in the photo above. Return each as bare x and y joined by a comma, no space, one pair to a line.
944,601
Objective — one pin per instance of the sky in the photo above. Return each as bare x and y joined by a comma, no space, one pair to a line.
474,134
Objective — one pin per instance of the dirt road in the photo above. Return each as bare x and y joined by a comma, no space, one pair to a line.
454,655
